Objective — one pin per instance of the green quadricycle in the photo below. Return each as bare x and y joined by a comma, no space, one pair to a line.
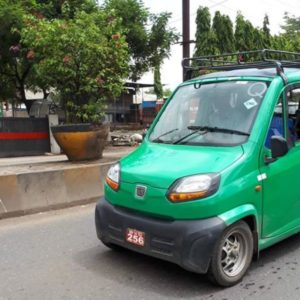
216,179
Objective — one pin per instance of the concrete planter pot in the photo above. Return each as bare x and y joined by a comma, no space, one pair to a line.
81,141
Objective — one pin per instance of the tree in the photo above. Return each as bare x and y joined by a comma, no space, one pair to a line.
160,40
258,40
291,33
223,29
292,25
85,59
239,34
281,42
16,60
167,92
7,89
147,48
158,88
266,33
55,9
228,34
134,17
205,37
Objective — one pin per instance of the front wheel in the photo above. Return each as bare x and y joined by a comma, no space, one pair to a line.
232,255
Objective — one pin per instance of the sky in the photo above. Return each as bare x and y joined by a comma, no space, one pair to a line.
253,10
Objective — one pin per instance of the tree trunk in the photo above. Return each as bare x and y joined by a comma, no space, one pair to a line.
158,88
22,96
45,94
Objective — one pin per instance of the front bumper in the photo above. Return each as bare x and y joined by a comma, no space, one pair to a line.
189,244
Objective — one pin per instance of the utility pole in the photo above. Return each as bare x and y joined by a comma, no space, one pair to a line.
185,30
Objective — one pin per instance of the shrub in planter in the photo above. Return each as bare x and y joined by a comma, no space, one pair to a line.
81,140
86,60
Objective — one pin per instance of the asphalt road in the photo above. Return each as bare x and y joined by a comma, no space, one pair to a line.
56,255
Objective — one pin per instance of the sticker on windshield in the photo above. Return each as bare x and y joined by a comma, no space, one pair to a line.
242,82
250,103
257,89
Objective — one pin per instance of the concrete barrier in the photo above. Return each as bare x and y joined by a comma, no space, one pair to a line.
51,185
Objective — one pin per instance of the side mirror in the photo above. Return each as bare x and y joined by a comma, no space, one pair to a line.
279,148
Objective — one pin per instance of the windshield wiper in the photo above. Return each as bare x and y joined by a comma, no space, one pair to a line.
218,129
196,130
168,132
205,129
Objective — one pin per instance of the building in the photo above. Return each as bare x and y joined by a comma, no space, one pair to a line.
126,108
134,105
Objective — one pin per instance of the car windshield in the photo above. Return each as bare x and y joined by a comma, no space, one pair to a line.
210,114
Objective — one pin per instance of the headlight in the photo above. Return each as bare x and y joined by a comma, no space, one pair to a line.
113,176
194,187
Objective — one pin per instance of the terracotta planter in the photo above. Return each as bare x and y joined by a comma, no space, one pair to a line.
81,141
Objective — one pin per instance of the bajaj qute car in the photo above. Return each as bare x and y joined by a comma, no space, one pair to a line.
216,179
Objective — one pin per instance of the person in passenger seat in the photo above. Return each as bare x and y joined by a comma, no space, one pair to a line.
276,128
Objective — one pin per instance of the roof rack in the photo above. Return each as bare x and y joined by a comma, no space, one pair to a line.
260,59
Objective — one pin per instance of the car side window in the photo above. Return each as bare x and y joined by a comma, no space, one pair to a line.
293,97
277,123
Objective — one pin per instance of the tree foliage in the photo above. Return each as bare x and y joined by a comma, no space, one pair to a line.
158,88
84,59
241,43
258,40
291,35
267,38
78,48
54,9
223,29
16,60
292,25
220,37
160,40
147,48
134,17
205,37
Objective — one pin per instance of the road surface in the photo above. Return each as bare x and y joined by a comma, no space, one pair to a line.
56,255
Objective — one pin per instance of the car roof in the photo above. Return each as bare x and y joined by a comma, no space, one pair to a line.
251,72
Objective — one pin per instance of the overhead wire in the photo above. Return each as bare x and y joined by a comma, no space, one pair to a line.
280,4
285,5
222,4
193,14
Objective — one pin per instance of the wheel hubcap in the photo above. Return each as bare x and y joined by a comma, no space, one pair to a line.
233,254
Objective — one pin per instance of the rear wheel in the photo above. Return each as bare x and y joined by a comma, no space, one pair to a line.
232,255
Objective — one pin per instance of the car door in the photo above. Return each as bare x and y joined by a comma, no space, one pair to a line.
281,178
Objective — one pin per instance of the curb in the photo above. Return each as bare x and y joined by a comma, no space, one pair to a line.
40,191
32,188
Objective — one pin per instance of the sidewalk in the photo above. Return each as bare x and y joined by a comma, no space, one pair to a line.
39,183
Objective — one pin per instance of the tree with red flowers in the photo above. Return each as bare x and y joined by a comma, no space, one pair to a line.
85,59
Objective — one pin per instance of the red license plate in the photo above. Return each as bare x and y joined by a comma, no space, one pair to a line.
135,237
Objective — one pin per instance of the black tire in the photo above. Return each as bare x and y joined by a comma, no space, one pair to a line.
232,255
